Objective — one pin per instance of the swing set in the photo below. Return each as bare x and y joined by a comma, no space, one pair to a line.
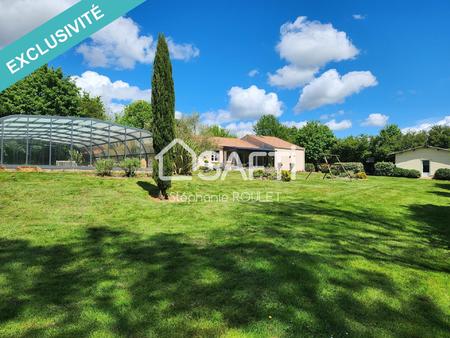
329,172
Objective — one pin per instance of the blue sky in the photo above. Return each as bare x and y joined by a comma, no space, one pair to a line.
371,62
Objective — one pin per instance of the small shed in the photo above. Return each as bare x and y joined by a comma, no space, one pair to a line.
426,159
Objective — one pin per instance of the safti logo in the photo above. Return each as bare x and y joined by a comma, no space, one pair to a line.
221,169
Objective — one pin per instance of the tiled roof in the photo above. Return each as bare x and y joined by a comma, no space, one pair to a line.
253,142
272,141
232,142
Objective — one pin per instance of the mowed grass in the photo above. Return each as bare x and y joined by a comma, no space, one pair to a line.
86,256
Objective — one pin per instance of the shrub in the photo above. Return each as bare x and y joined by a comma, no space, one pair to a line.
323,168
338,168
310,167
361,175
285,175
76,156
409,173
104,167
442,174
351,167
130,166
206,169
384,168
258,173
270,174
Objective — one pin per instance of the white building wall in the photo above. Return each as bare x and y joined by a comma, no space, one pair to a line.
413,159
285,157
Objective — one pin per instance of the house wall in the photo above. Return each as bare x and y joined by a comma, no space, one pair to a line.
285,157
413,159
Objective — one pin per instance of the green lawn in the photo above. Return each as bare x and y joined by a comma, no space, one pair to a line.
87,256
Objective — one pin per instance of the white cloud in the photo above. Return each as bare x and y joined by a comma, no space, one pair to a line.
19,17
183,51
344,124
308,46
331,88
245,104
292,76
113,94
115,108
330,116
375,120
216,117
296,124
120,45
358,16
313,44
253,102
253,72
178,115
241,129
427,125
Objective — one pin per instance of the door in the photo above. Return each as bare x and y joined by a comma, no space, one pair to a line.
426,167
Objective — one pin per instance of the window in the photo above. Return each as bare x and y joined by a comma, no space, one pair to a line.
214,157
426,166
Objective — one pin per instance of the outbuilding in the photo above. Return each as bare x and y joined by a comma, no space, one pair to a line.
426,159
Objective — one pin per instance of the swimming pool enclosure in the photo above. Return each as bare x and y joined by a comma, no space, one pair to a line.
61,141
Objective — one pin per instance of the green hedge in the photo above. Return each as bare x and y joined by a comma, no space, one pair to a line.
384,168
442,174
409,173
338,169
389,169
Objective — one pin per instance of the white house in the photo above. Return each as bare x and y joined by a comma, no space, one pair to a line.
286,155
426,159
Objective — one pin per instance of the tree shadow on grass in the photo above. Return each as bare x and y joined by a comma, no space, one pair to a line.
263,278
436,220
443,186
152,189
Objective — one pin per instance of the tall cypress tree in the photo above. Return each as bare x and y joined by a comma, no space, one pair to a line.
163,112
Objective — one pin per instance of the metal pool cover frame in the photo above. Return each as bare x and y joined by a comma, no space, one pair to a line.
92,135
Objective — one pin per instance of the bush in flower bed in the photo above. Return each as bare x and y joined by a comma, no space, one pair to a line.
361,175
130,166
442,174
104,167
285,175
259,173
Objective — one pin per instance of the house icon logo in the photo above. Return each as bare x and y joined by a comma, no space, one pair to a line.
160,158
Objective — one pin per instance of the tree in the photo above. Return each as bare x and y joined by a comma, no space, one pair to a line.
388,141
216,131
353,148
413,139
163,112
439,136
92,107
186,129
46,91
317,139
137,114
268,125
